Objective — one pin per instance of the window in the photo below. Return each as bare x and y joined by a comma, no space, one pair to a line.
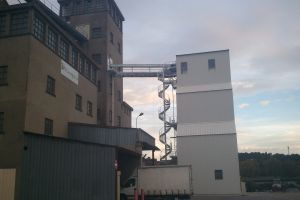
78,102
218,174
19,23
119,121
96,32
52,40
110,116
130,183
39,29
110,84
74,58
1,122
119,48
50,85
3,75
87,71
97,58
119,95
94,74
2,24
183,67
89,108
99,86
64,50
48,127
211,64
98,114
81,64
111,38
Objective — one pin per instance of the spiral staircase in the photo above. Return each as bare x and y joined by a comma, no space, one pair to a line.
162,114
166,73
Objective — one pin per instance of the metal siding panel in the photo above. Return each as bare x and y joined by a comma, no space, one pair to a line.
61,170
109,136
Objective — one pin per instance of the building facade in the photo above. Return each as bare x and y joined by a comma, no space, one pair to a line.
100,21
206,134
51,74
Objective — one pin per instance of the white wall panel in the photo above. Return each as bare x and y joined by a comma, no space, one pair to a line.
204,88
213,128
206,154
205,107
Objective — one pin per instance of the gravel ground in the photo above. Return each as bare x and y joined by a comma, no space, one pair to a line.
254,196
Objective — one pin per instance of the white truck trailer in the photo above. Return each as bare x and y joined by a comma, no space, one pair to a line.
164,182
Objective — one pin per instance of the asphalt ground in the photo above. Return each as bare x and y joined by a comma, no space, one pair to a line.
254,196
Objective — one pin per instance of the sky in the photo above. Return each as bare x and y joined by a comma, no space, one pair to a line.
264,41
263,37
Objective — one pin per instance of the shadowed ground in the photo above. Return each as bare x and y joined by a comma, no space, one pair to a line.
254,196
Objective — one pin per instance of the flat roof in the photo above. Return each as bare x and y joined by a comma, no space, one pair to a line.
118,148
43,9
202,52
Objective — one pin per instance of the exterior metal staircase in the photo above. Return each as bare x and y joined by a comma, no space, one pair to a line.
166,73
162,114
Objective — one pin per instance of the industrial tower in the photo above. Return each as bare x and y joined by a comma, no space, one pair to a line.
206,133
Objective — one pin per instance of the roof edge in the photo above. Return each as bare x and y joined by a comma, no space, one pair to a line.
205,52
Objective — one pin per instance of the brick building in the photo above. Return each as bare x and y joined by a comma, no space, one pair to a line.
53,70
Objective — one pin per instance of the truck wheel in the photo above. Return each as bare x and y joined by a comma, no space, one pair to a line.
123,197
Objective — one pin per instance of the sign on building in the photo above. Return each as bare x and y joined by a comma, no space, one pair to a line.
84,29
69,72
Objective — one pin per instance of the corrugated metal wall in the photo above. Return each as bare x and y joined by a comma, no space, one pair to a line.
7,184
59,169
110,136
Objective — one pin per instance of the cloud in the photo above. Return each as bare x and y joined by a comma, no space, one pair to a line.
244,105
266,135
264,103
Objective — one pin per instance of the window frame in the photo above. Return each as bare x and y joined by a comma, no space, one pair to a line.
211,64
64,49
184,67
81,64
52,40
48,123
39,28
74,58
219,175
3,75
19,25
78,102
50,87
87,71
3,24
89,109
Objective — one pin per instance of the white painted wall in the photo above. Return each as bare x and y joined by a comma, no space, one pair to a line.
206,154
198,73
199,107
206,134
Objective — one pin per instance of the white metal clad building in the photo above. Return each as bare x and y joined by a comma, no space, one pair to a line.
206,134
